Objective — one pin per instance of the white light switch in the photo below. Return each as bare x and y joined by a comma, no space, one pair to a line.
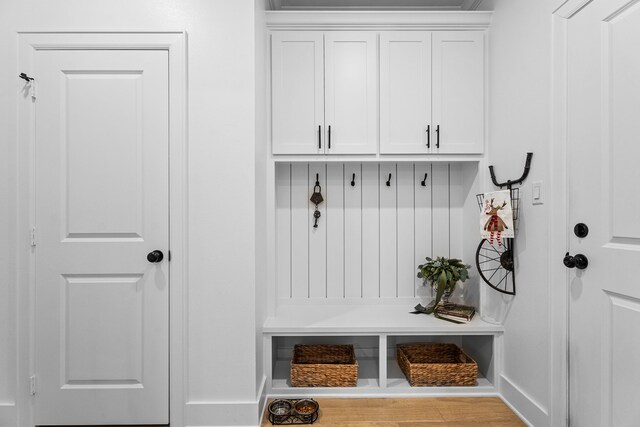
536,193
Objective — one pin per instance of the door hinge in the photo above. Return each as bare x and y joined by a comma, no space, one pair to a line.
32,385
32,237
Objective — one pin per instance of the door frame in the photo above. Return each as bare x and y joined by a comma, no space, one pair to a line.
175,44
559,230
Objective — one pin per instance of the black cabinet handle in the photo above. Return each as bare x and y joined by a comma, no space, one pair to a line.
329,137
428,136
319,137
438,136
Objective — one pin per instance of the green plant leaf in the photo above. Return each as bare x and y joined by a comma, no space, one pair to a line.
430,307
442,284
420,308
456,275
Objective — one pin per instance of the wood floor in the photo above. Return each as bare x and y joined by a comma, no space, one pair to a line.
414,412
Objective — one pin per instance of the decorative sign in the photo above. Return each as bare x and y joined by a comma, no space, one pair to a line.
496,219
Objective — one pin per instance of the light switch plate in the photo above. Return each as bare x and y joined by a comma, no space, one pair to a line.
537,193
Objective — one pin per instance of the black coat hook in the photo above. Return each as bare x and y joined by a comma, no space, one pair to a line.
23,76
353,180
318,179
389,181
424,181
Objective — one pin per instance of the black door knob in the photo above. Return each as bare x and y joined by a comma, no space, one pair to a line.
578,261
581,230
155,256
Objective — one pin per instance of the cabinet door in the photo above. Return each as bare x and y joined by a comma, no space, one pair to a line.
458,91
351,95
297,84
405,92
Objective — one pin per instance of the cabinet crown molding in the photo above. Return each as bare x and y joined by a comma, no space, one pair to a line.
377,20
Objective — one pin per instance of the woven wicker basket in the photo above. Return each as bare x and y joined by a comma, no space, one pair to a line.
321,365
435,364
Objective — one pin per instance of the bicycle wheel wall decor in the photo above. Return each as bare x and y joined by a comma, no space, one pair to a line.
495,260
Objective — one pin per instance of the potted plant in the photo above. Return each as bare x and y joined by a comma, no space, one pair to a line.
443,274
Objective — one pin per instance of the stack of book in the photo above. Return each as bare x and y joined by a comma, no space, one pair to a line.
455,312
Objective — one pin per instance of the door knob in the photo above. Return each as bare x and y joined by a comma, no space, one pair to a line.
578,261
581,230
155,256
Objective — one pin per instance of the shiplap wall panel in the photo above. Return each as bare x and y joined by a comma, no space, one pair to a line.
388,231
405,207
317,236
353,231
422,199
335,230
301,220
440,209
456,191
283,230
370,231
370,236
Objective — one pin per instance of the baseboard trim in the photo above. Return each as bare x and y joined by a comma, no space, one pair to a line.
238,414
531,412
262,398
218,414
8,414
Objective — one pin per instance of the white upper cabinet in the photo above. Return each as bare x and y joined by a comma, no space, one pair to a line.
324,92
297,92
405,92
432,92
458,91
351,80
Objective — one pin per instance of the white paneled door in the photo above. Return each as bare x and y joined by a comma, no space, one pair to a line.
101,184
602,158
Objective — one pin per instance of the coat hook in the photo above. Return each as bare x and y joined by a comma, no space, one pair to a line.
424,181
389,181
23,76
353,180
318,179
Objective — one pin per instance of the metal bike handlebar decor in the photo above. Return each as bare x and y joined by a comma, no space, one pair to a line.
495,257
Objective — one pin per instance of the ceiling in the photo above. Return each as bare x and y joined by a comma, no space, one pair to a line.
374,4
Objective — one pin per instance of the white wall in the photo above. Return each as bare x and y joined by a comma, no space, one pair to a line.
7,237
261,185
8,233
520,121
221,352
